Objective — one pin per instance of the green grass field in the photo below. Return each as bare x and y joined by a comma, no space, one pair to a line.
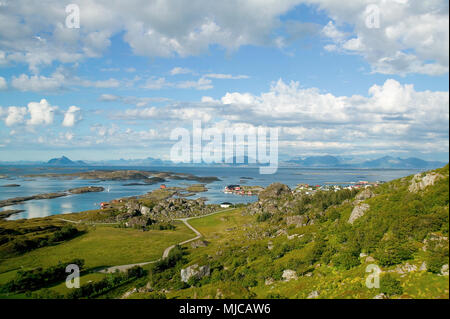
101,246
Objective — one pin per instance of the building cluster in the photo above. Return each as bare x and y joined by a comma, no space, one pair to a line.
311,189
237,189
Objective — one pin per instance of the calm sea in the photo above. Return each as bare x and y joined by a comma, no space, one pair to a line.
116,189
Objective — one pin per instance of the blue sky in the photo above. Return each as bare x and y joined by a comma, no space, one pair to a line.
118,85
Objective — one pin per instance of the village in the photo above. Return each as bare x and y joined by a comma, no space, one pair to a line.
306,189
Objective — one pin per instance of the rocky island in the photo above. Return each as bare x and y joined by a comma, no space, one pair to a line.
79,190
147,177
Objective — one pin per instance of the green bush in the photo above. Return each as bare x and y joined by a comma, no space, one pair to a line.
29,280
393,252
263,217
93,289
155,295
346,259
390,286
437,256
176,255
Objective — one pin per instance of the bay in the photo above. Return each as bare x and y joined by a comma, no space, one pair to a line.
116,189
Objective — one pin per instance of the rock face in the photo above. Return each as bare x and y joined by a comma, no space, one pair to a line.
405,268
180,208
195,271
145,210
434,239
289,275
423,267
298,220
274,191
139,221
358,212
165,210
444,270
269,281
273,199
418,183
314,294
365,194
133,208
88,189
199,243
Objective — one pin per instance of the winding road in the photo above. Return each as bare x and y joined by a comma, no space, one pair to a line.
168,249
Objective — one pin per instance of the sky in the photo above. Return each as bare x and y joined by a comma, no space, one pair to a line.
109,79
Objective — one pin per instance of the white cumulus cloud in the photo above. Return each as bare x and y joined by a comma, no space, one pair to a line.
41,113
72,116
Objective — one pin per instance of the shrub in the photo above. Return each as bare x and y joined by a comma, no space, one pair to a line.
390,286
263,217
176,255
393,252
93,289
346,259
155,295
30,280
437,256
67,232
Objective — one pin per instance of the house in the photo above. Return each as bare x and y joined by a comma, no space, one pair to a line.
163,186
103,205
225,205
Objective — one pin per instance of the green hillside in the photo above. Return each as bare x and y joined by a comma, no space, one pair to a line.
287,245
404,232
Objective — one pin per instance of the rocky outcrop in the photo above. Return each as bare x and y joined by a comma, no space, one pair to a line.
199,243
436,240
145,210
195,271
365,194
313,294
423,267
358,212
165,210
6,213
269,281
133,208
274,191
18,200
139,222
419,183
289,275
297,220
180,208
403,269
444,270
88,189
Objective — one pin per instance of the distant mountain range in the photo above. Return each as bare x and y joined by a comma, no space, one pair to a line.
64,161
383,162
397,162
149,161
317,161
327,161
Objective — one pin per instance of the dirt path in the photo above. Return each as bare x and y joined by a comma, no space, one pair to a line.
81,222
168,249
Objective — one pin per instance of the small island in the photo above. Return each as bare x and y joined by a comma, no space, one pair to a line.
7,213
147,177
79,190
